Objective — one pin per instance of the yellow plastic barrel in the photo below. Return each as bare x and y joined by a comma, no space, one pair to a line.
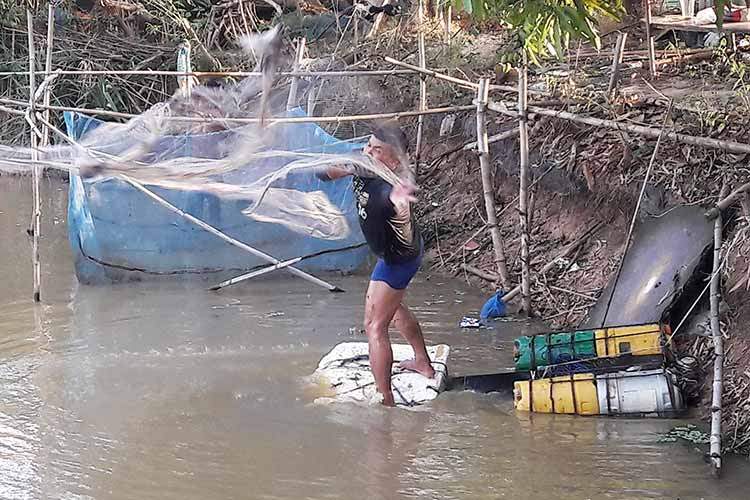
572,394
638,340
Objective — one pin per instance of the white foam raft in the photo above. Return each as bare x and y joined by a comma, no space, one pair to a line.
344,375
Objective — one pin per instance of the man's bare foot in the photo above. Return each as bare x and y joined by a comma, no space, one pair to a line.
388,400
423,367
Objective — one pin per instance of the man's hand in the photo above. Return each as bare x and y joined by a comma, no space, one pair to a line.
402,194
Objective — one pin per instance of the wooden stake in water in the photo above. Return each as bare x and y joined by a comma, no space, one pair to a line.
37,215
489,193
715,438
523,204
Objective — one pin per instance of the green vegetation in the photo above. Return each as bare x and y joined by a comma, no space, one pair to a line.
546,27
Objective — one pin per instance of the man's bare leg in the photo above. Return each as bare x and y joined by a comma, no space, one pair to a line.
409,328
381,304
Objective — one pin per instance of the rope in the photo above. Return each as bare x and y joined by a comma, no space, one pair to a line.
635,214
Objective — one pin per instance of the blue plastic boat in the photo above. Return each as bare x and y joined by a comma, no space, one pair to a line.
119,234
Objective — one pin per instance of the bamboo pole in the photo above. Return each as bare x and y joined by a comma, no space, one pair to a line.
730,146
726,202
422,83
48,68
447,21
299,56
523,202
300,119
617,57
212,74
452,79
36,216
281,265
487,186
207,227
715,438
649,39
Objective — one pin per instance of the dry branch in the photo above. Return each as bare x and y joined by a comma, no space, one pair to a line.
726,202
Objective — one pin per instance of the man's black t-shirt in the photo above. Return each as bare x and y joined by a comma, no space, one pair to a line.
391,235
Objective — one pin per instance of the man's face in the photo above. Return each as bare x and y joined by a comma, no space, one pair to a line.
382,152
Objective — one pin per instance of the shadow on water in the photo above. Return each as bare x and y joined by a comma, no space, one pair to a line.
165,390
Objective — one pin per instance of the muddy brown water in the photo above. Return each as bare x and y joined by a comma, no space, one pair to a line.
169,391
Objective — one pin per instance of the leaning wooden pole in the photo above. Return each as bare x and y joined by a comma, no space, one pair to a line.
616,62
422,84
487,186
244,246
523,201
715,439
37,214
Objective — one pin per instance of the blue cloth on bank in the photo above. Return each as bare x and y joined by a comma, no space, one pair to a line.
494,307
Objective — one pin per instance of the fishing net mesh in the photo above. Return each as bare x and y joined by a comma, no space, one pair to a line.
193,143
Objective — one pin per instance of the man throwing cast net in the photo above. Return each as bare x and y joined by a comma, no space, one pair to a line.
390,228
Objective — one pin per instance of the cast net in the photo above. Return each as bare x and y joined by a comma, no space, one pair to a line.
214,141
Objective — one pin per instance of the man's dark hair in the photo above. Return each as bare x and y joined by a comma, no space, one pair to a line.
390,133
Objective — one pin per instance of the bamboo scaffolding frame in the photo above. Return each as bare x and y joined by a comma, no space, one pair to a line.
302,119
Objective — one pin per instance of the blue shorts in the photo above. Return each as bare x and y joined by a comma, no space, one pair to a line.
397,276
